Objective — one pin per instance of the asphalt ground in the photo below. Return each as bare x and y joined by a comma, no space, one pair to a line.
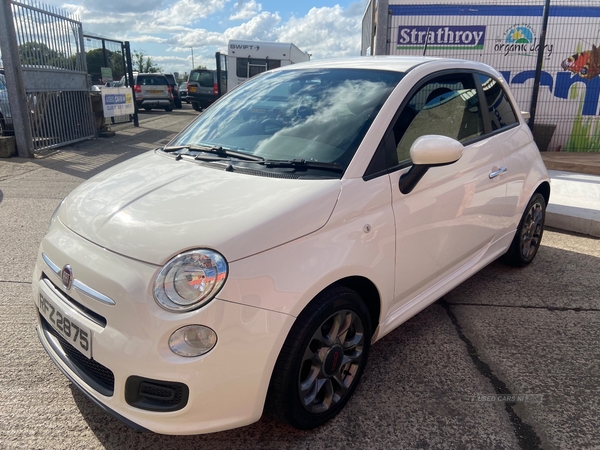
510,359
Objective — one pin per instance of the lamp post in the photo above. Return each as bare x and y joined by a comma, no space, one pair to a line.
192,48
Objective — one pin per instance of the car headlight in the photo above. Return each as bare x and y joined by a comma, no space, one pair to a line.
190,280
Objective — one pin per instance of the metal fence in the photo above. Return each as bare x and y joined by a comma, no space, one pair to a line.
506,35
50,51
102,53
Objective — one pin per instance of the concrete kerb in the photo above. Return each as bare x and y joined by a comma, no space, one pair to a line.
574,203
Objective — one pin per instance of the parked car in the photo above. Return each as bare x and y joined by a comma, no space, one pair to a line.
6,124
174,89
202,88
183,92
254,259
152,90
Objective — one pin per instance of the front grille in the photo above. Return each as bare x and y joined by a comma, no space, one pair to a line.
155,395
97,376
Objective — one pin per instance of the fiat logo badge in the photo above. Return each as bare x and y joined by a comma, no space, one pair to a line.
67,277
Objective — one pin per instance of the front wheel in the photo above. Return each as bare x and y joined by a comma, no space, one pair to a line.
528,238
322,359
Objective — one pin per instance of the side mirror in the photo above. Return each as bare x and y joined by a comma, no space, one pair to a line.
429,151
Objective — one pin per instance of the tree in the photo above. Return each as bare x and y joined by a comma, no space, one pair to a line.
143,63
201,67
39,54
95,61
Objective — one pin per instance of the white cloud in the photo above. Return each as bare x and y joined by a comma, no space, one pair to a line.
325,32
171,27
246,10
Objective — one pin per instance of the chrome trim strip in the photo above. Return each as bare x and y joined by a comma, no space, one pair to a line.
67,303
92,293
50,264
79,285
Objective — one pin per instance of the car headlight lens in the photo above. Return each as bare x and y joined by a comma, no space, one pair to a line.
190,280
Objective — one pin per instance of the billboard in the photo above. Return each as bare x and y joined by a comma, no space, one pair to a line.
507,37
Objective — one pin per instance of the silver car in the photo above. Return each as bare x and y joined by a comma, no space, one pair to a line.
152,90
5,116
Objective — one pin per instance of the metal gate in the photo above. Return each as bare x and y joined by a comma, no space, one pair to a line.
53,64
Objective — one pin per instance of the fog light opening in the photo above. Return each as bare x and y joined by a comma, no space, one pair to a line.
192,340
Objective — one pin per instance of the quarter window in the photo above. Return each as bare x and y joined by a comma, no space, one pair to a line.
447,106
501,113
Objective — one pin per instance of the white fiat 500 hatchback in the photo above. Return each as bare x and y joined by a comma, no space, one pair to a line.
253,260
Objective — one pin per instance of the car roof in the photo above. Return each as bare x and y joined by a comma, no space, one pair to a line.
392,63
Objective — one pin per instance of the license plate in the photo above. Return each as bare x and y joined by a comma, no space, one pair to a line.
192,89
76,334
154,91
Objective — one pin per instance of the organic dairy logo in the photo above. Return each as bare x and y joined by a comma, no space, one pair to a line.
521,40
441,37
519,35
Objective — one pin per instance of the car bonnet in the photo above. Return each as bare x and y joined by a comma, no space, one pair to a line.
153,207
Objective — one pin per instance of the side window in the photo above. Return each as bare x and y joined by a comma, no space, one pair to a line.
501,113
246,68
447,105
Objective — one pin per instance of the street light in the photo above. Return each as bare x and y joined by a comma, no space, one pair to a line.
192,48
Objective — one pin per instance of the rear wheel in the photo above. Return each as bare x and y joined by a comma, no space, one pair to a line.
528,238
196,106
322,359
148,108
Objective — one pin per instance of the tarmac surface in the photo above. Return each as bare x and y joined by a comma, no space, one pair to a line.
509,359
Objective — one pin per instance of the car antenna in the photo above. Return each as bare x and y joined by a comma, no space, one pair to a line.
426,42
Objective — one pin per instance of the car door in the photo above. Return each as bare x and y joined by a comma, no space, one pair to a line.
453,213
514,142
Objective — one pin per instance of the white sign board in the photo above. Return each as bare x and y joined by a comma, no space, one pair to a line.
117,102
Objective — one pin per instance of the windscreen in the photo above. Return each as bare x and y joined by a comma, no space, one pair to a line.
316,115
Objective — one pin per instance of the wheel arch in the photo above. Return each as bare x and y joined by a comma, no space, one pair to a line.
544,189
366,290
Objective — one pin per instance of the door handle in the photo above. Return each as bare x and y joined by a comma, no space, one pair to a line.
500,171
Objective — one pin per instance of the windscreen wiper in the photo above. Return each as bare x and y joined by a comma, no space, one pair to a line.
216,149
302,163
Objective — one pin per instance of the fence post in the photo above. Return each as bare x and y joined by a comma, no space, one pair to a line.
129,68
538,67
14,81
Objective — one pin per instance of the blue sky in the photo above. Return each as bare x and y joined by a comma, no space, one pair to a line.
166,30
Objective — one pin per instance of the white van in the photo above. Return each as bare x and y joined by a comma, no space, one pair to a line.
249,58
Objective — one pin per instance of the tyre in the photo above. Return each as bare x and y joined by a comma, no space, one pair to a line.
168,108
196,106
148,108
178,104
322,359
528,238
2,129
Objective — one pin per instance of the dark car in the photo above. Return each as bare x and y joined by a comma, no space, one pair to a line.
202,88
5,115
174,89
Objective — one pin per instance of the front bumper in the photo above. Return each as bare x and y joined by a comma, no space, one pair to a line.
227,386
